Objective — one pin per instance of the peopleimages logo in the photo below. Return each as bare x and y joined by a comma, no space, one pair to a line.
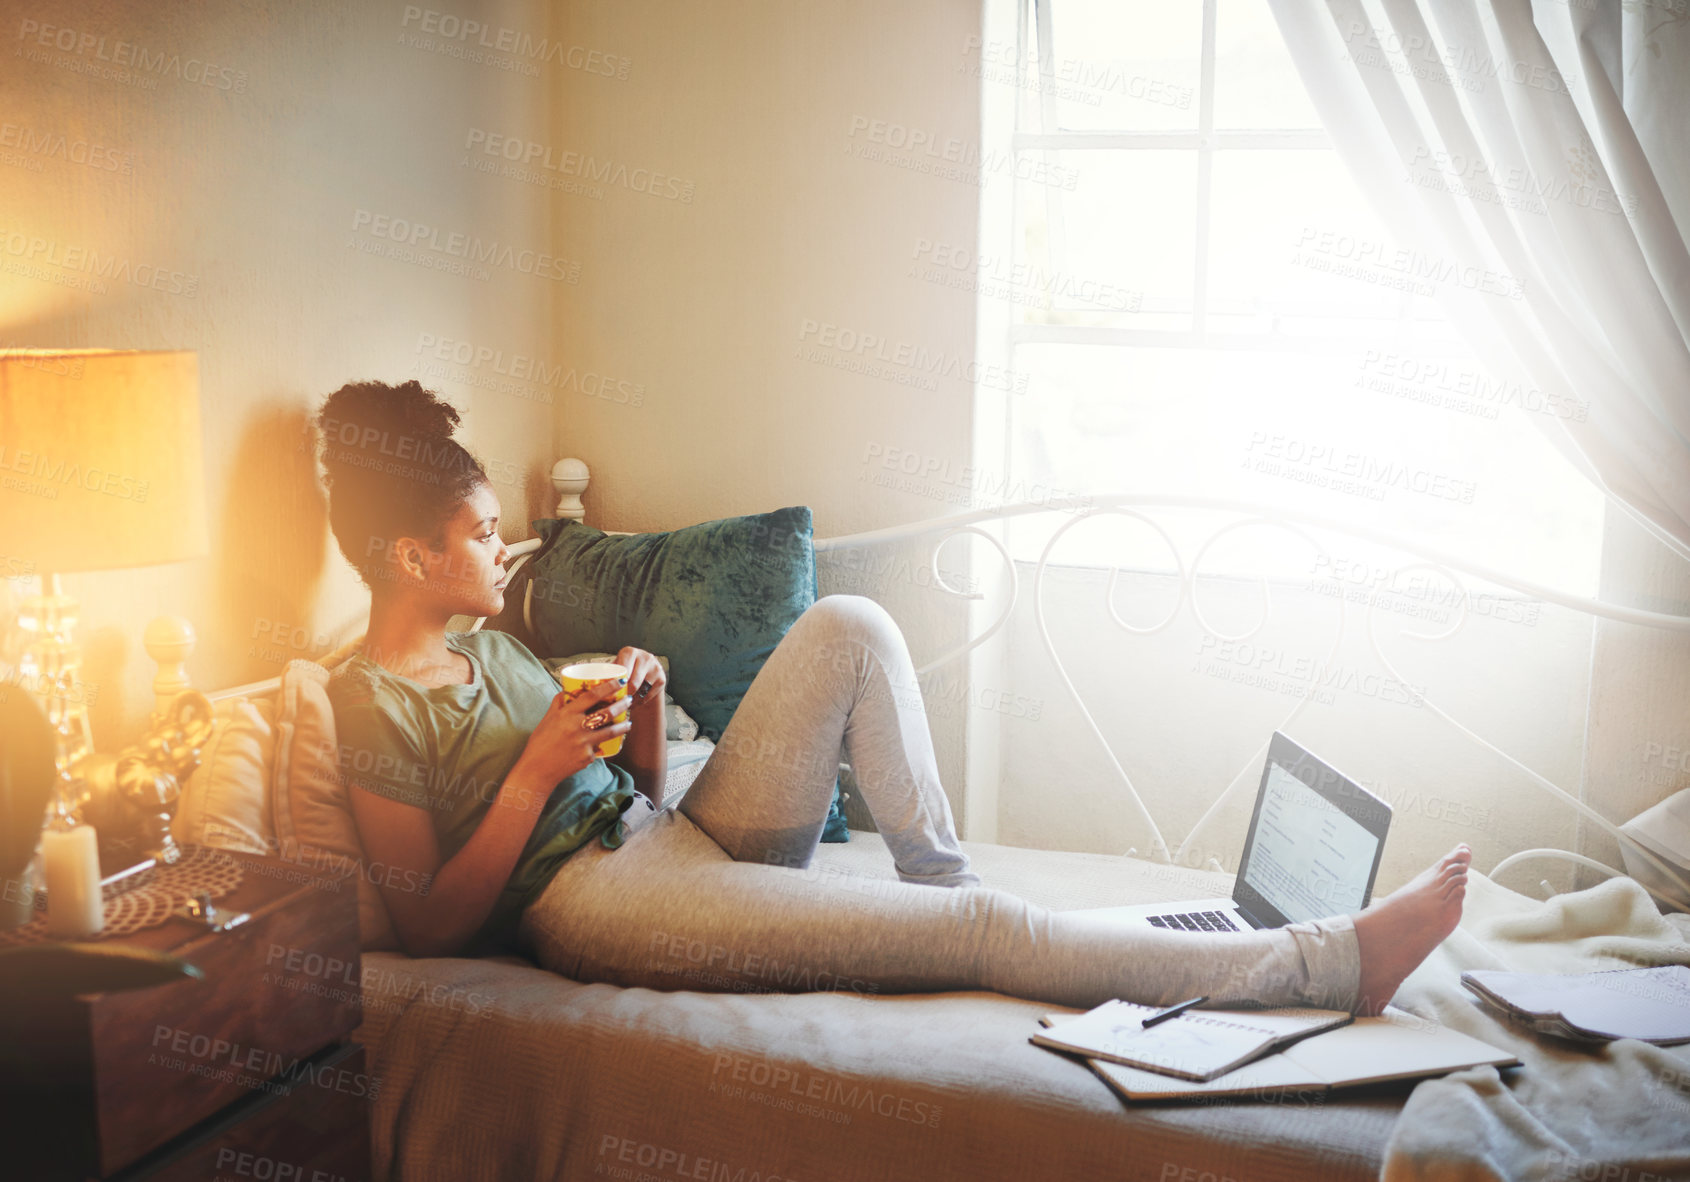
1402,267
35,252
1474,176
54,473
743,1075
1450,65
533,371
1442,382
1074,79
1298,674
925,471
578,165
465,32
428,458
1001,277
1347,470
58,365
130,56
870,353
469,248
55,145
638,1160
953,157
16,568
178,1049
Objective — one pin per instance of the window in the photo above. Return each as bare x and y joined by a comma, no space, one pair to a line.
1202,303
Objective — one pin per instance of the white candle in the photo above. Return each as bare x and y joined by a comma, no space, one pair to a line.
73,881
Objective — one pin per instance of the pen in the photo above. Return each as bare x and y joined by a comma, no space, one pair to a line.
1172,1011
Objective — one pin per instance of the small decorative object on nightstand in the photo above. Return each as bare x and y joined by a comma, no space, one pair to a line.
145,779
254,1062
72,858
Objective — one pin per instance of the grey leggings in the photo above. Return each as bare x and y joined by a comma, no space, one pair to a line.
716,894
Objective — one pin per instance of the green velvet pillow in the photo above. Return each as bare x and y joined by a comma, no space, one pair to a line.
714,598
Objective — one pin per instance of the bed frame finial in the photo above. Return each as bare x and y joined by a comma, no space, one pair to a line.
169,640
569,478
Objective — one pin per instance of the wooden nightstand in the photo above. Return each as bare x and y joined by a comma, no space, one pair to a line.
248,1073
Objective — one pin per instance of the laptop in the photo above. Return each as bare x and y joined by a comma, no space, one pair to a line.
1313,850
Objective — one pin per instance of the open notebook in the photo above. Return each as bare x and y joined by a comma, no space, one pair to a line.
1196,1045
1367,1051
1651,1004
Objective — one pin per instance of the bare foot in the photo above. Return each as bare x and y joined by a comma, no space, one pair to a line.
1400,930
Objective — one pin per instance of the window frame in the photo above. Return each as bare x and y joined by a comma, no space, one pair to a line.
1205,141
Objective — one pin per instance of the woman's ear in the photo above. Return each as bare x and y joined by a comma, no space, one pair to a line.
413,561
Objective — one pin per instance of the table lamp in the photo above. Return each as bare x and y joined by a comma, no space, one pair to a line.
100,469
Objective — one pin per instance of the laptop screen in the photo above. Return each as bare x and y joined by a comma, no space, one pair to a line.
1308,858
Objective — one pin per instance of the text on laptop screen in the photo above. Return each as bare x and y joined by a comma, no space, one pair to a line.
1309,859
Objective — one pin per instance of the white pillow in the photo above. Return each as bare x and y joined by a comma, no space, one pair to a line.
1665,831
225,802
309,806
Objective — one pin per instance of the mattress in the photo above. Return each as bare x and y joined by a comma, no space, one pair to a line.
497,1069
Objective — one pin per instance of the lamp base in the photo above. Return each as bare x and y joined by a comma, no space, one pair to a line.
48,668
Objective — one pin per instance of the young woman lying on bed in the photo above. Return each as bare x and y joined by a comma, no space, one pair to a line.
468,767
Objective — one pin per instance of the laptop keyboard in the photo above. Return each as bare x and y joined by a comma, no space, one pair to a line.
1195,921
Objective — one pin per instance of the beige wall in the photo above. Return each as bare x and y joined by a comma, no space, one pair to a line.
703,300
760,117
249,189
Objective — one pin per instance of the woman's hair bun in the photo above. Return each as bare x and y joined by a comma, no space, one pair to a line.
362,416
391,464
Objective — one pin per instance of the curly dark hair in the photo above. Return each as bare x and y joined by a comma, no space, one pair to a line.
392,468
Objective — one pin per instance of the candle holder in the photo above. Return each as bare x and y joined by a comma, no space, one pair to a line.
148,776
135,791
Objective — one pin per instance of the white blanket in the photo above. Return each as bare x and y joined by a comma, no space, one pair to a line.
1614,1113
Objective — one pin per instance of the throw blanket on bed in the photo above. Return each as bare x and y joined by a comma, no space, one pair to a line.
1619,1112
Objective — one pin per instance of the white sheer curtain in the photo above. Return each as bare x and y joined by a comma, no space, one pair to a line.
1535,160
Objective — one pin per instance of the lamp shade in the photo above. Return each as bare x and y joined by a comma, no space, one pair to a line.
100,464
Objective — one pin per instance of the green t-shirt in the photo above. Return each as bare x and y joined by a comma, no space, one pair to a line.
449,748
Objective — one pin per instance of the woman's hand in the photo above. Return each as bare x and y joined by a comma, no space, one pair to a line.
564,741
645,755
645,677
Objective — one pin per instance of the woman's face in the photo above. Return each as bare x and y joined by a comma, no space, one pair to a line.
468,574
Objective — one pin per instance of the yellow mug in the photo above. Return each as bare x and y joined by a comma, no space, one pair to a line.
598,679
